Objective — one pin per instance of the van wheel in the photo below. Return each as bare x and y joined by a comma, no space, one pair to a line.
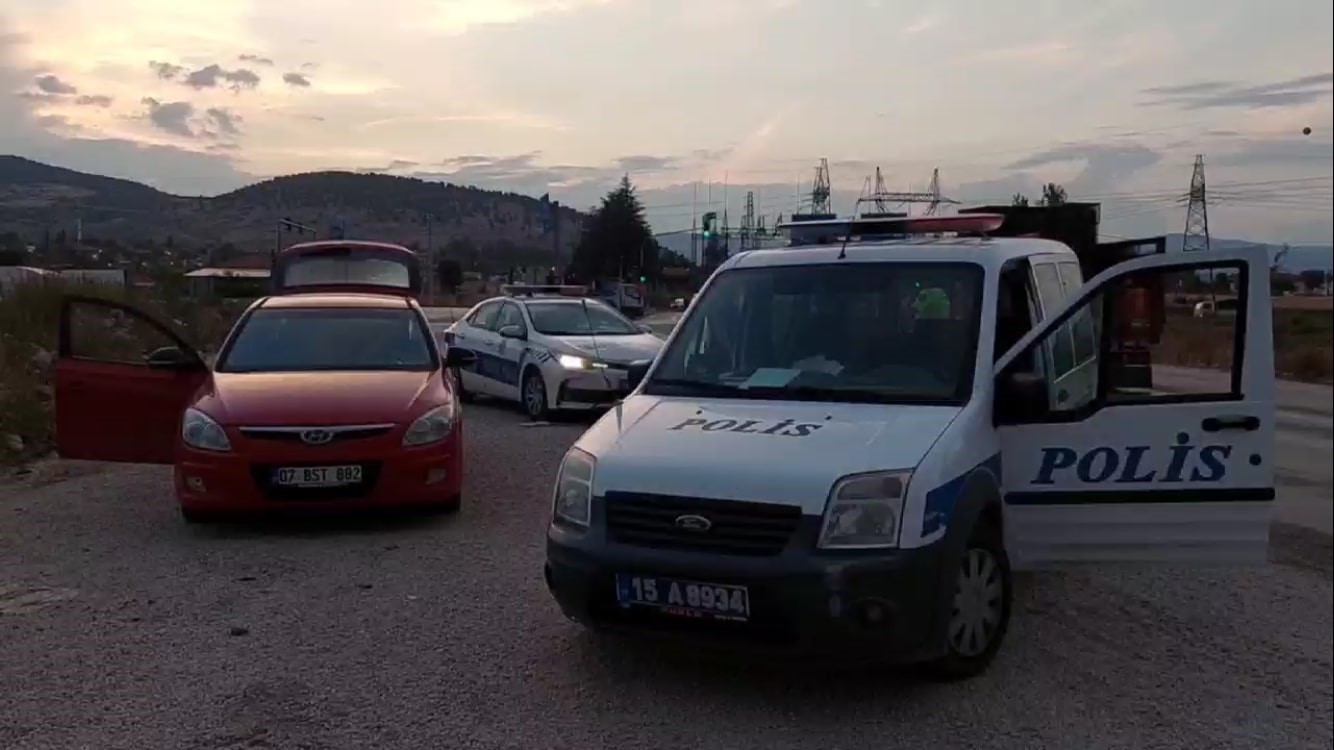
534,395
979,613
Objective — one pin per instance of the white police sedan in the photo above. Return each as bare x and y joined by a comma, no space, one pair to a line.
549,351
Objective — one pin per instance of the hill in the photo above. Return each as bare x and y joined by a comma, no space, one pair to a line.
36,199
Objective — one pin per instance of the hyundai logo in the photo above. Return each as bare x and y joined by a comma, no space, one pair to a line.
693,523
316,437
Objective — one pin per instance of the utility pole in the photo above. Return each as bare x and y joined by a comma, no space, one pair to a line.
1196,236
748,222
882,197
822,189
429,282
694,199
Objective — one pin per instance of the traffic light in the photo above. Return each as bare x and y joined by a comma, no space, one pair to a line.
642,278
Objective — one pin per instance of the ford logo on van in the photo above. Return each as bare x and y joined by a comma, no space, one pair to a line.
693,523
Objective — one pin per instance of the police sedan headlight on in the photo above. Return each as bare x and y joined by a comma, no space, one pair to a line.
571,362
431,427
864,511
573,500
201,431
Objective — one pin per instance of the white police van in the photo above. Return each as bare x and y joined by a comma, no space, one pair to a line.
819,458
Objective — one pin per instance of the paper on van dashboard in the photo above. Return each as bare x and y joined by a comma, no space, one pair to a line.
769,377
818,364
778,377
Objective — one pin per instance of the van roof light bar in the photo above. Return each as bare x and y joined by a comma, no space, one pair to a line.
828,231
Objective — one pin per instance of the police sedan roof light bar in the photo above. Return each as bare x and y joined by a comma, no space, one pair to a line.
530,290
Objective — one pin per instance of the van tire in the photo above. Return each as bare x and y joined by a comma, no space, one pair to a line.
982,584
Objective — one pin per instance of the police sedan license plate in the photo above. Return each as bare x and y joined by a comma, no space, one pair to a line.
317,476
708,601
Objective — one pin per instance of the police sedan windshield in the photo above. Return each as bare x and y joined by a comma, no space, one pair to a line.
327,339
873,332
579,318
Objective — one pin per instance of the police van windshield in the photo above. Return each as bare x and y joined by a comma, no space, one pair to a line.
857,332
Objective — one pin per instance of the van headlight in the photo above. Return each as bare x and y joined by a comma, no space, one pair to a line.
199,430
431,427
864,511
573,500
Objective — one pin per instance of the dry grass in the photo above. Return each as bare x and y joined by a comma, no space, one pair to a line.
1303,342
29,320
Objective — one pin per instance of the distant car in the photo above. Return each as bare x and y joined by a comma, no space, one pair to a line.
549,352
317,401
1209,308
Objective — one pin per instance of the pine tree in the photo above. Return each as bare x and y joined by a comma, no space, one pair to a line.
617,242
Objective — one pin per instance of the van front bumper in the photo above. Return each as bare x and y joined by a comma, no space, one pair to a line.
867,606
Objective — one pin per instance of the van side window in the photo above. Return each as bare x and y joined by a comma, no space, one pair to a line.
1083,327
1052,293
1015,309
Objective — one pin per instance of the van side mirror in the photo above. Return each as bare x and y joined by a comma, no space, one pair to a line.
1019,396
636,372
456,357
171,358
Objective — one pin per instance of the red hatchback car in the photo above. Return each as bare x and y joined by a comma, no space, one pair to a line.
317,400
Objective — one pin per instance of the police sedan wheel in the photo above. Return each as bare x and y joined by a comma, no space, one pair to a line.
979,605
535,395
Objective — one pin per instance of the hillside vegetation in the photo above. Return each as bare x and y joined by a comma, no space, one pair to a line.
39,200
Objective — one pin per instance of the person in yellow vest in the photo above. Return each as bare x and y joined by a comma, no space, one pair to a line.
932,303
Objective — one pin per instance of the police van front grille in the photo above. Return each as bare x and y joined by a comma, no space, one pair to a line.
734,527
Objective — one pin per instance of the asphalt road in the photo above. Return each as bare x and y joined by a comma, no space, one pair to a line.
122,627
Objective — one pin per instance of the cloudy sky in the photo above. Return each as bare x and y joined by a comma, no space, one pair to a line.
1113,98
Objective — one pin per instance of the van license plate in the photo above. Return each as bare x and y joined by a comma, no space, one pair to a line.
706,601
317,476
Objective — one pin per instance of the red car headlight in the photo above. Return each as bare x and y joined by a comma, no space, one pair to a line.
431,427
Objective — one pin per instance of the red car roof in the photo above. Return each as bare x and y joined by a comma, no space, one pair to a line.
320,244
335,299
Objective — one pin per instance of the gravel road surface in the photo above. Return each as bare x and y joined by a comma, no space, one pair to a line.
121,627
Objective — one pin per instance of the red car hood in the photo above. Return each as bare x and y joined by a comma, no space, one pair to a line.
319,398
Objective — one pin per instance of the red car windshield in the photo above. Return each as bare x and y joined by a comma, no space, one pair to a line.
315,340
